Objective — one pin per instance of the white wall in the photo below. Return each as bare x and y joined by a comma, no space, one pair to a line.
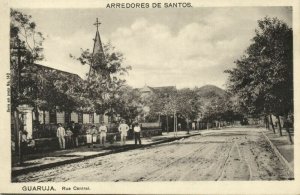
96,118
74,117
105,119
41,117
60,117
86,118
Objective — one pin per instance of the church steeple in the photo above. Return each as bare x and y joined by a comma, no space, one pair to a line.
98,53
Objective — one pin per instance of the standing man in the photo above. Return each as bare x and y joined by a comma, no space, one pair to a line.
75,130
23,145
103,131
123,128
137,133
60,133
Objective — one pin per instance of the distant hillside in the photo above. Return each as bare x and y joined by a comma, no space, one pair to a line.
210,91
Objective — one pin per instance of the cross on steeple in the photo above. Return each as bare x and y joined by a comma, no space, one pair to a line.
97,24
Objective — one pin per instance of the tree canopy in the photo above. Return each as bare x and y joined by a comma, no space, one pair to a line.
105,86
25,48
263,77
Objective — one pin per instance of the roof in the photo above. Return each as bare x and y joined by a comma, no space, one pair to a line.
56,70
165,88
146,89
98,51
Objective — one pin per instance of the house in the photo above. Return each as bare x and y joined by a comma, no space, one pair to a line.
147,91
57,116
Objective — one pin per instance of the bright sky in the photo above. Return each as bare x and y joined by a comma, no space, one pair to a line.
182,47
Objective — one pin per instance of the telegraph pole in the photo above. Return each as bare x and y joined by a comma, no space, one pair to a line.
18,54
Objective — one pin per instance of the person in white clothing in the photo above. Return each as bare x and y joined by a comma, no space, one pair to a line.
193,126
60,134
89,136
94,135
123,128
103,131
137,133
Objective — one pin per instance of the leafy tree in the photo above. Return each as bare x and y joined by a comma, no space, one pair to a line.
25,49
188,105
161,103
231,111
43,88
104,85
128,103
263,78
184,103
213,109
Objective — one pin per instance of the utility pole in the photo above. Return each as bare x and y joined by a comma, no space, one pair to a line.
167,123
175,124
17,46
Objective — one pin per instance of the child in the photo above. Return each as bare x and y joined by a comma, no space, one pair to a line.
69,138
94,135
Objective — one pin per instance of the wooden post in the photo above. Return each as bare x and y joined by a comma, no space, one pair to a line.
188,127
271,122
279,124
267,122
167,124
16,132
176,124
288,131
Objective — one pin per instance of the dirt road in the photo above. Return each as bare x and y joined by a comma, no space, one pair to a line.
231,154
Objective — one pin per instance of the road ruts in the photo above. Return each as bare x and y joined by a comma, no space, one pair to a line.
233,154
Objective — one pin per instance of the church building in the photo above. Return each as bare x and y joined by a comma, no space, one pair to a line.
43,123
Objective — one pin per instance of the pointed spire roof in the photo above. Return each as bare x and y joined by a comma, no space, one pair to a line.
98,53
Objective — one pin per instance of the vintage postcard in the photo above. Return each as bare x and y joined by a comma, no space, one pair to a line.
149,97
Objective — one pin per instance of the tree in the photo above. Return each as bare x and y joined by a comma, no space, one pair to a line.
128,103
25,49
162,102
231,110
263,77
188,105
43,88
104,84
214,109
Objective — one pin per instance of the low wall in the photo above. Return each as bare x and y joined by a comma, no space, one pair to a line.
49,144
49,130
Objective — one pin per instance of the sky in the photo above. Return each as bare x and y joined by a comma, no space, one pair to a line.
165,47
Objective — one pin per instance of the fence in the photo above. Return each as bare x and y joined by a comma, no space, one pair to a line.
45,135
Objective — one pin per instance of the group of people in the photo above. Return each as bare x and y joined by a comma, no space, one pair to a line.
92,135
123,129
69,137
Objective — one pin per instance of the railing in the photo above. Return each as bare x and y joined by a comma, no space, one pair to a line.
49,130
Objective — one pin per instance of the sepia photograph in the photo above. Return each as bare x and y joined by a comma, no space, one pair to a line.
114,95
149,97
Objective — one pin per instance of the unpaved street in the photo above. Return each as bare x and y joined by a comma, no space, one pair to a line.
231,154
